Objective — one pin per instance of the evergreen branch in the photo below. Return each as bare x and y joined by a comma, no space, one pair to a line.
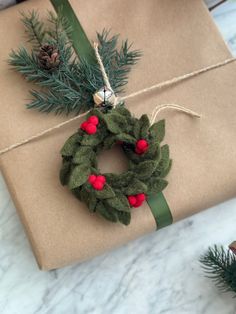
117,63
58,36
59,25
53,102
69,86
27,65
220,265
34,28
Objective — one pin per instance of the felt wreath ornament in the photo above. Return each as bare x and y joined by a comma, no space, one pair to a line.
113,195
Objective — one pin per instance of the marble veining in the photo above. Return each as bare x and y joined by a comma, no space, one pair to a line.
157,274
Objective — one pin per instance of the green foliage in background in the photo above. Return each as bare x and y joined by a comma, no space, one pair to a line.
220,265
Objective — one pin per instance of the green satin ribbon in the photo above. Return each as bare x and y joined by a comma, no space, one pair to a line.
84,50
160,210
79,39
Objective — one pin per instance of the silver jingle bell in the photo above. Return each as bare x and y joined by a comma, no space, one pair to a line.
103,96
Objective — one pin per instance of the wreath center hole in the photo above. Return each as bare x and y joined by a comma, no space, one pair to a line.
113,160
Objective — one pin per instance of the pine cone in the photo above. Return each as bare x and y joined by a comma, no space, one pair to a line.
49,57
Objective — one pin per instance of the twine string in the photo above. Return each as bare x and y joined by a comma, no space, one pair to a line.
159,108
40,134
178,79
155,112
102,68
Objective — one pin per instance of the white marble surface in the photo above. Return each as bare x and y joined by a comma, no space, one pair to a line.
159,273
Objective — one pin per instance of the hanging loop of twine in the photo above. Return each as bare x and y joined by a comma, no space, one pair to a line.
159,108
155,112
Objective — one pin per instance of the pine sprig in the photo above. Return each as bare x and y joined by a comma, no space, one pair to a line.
220,265
117,63
70,86
59,25
34,28
27,64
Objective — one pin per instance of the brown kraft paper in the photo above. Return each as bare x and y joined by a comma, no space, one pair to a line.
176,37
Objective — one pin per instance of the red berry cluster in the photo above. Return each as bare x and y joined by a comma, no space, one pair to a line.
90,126
136,200
97,181
141,147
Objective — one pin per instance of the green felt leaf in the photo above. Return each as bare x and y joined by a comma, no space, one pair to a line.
95,170
106,192
157,130
116,123
136,129
65,172
127,115
124,218
119,202
92,202
87,195
83,155
92,139
119,180
111,177
153,152
135,187
70,145
156,185
131,155
78,176
84,194
123,111
145,168
109,142
77,193
164,163
109,214
145,124
126,138
96,112
166,170
165,155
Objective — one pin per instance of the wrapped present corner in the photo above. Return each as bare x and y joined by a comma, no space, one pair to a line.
174,41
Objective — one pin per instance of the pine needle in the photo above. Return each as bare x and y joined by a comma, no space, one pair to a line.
34,28
220,265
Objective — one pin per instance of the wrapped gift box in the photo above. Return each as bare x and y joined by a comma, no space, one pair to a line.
176,37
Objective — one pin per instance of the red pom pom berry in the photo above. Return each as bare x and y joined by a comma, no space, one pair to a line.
141,197
138,151
141,144
136,200
141,147
101,179
91,129
138,203
93,119
132,200
84,125
92,178
98,185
